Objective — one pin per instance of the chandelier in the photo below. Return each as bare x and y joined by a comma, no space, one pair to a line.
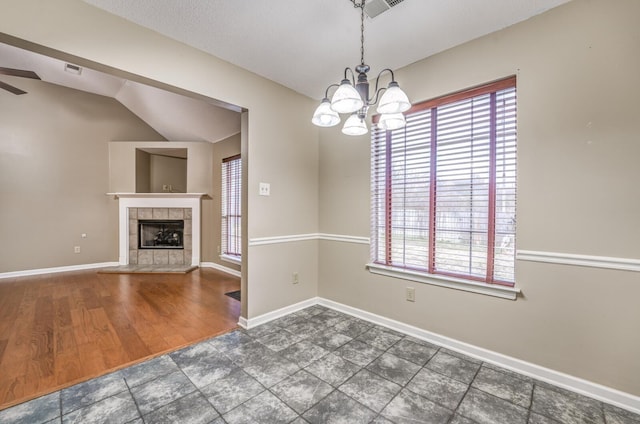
352,97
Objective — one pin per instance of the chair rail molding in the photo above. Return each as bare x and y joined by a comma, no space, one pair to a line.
606,262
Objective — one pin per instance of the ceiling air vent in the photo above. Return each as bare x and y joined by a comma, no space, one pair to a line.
375,7
72,69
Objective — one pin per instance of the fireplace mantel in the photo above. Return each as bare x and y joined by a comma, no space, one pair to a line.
157,195
157,200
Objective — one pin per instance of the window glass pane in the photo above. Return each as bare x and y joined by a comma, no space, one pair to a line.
444,187
505,222
231,243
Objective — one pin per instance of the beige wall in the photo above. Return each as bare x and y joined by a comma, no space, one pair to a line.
578,152
281,146
54,175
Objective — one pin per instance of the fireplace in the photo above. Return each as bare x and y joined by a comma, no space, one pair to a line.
160,234
134,207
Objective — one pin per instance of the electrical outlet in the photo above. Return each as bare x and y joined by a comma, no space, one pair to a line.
76,249
265,189
411,294
295,278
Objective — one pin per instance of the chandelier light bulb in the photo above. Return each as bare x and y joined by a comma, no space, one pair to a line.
354,125
346,99
391,121
394,100
324,116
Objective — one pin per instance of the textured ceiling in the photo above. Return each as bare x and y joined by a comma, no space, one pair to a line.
306,44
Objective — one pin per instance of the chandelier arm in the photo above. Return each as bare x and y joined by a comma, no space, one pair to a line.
326,92
382,89
393,78
353,75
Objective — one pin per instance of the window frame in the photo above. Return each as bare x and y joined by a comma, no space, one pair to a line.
231,188
468,282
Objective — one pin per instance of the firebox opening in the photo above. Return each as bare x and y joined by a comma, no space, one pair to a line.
160,234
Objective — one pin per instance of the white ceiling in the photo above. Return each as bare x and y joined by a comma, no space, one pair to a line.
306,44
302,44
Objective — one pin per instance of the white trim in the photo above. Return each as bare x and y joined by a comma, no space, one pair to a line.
344,238
270,316
606,394
260,241
607,262
40,271
232,259
242,322
222,268
495,290
282,239
154,195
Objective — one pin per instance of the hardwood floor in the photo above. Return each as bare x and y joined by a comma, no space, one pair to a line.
60,329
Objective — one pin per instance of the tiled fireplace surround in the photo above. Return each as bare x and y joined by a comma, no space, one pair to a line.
135,206
159,256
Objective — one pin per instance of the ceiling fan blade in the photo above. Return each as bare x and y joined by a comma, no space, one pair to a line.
19,73
11,88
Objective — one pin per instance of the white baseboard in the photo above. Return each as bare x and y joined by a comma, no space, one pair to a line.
593,390
605,394
270,316
242,322
222,268
40,271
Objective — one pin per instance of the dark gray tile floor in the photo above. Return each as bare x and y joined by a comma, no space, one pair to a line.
313,366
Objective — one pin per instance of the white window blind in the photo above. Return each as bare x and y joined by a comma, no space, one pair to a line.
231,206
444,187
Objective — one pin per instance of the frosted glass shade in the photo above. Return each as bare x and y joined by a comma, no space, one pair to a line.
391,121
346,99
354,126
394,100
324,116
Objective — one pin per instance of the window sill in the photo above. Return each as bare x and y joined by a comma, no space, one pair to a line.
233,259
496,290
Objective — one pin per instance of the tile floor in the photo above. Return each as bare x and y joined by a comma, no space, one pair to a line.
315,366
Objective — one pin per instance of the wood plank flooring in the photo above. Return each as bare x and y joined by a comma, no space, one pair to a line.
59,329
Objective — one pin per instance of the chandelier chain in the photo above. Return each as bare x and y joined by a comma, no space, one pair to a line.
360,5
362,34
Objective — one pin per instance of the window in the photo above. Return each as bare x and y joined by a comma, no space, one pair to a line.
231,207
444,187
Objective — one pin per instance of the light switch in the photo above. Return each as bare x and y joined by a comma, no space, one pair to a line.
265,189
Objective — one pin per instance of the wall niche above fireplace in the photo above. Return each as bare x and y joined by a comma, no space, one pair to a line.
161,170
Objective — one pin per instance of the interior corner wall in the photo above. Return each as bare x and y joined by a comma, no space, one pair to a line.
577,70
143,172
54,175
281,147
169,171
